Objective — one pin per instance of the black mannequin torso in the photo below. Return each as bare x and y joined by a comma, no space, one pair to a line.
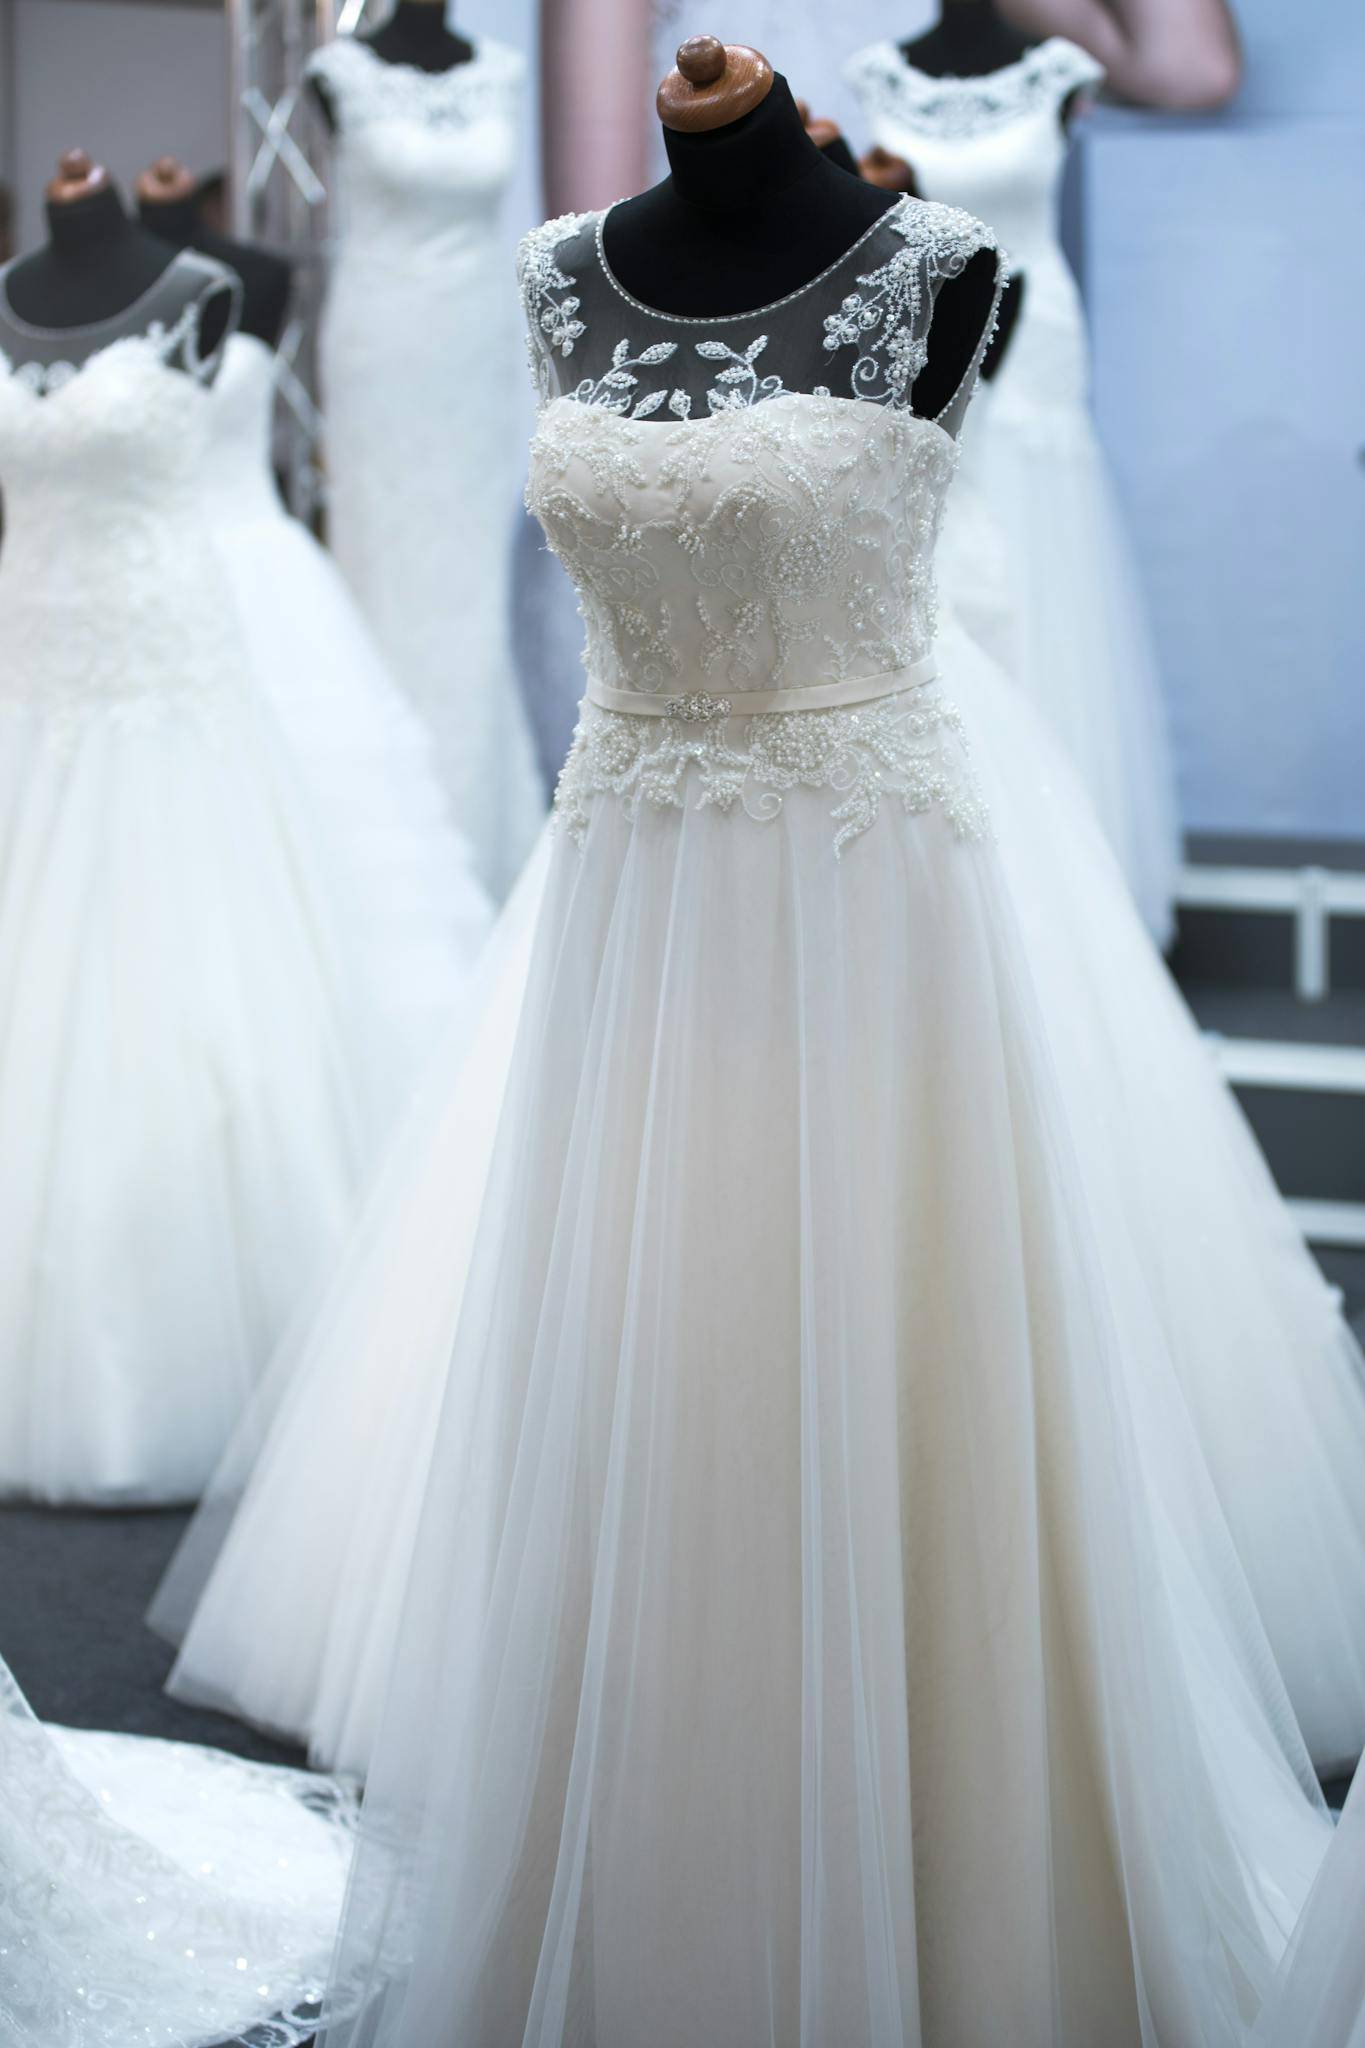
414,34
970,37
266,278
98,261
753,211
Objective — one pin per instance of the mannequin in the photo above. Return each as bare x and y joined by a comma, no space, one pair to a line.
168,204
414,34
98,261
828,138
970,37
717,237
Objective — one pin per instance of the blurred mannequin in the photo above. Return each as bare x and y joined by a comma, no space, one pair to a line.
98,262
416,35
168,204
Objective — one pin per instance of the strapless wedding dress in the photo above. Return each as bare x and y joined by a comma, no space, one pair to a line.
417,913
420,398
996,145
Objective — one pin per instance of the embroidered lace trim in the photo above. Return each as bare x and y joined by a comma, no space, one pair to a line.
366,88
962,107
908,746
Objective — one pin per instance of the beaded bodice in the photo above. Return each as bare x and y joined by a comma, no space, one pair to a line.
994,144
421,159
747,506
106,588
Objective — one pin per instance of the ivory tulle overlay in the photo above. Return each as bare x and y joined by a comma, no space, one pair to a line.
420,397
150,1891
1040,504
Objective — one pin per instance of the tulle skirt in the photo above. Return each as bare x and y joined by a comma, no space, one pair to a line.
416,911
324,1473
151,1891
189,1072
1036,481
822,1623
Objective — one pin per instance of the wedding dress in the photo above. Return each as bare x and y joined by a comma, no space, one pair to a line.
417,912
324,1475
822,1624
190,1065
995,144
422,447
152,1891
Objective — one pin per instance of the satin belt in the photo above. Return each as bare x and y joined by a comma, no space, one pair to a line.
697,706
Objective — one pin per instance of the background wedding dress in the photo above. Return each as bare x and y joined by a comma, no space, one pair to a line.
995,144
191,1065
417,913
152,1891
420,398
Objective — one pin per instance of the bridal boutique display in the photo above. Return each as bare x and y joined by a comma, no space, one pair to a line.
420,398
996,145
151,1891
417,913
190,1064
811,1432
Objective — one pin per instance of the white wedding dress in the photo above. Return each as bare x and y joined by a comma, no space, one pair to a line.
417,913
286,1595
420,398
995,144
155,1892
191,1065
822,1622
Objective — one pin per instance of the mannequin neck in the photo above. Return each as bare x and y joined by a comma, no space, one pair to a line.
747,164
416,33
90,231
749,212
970,39
175,220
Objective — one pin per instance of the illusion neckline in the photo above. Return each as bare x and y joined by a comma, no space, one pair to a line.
23,326
750,313
711,418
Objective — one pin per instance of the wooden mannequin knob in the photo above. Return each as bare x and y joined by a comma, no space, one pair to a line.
712,85
891,173
78,176
165,183
820,131
701,59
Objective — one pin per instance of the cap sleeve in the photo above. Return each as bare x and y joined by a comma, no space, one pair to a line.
548,263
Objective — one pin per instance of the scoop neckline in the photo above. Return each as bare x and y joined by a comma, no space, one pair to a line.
978,78
752,312
17,321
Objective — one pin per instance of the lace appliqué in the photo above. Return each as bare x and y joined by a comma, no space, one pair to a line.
960,108
176,342
365,87
887,320
907,746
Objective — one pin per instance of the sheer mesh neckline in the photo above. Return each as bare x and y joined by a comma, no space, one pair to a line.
143,298
752,312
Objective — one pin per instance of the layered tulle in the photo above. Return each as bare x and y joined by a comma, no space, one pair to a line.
822,1624
322,1473
150,1891
1085,648
285,1594
187,1084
